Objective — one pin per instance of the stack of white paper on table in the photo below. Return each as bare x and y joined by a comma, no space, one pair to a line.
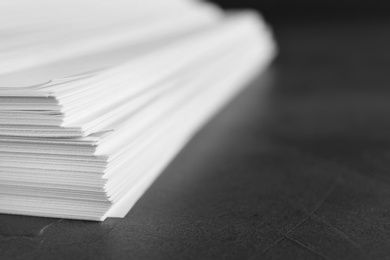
96,97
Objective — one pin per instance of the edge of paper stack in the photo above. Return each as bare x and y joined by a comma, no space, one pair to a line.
97,97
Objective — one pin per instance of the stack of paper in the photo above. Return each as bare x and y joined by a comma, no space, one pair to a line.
97,97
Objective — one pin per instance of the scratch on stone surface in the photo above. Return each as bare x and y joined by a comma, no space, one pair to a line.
40,233
340,232
315,208
306,247
29,236
9,237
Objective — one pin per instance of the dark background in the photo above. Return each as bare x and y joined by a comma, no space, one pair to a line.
285,11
